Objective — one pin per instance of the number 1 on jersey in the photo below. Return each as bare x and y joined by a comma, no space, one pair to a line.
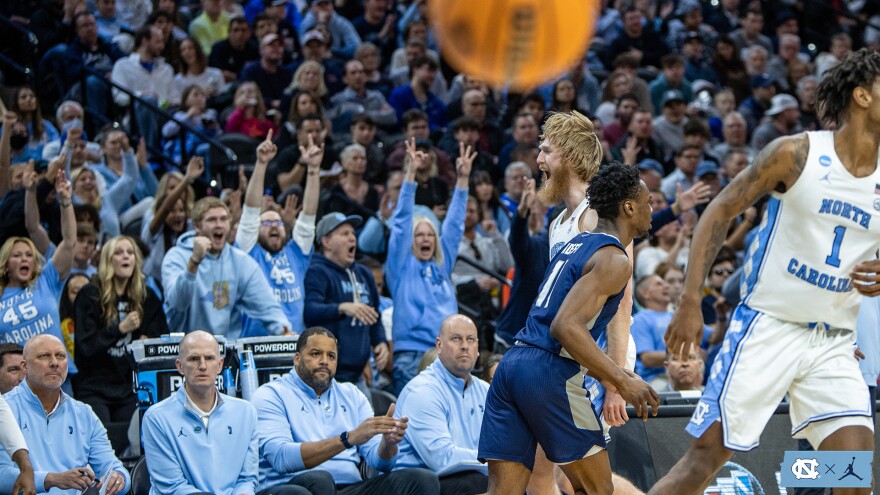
543,296
833,259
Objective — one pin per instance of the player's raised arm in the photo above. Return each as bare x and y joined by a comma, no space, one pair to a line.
776,168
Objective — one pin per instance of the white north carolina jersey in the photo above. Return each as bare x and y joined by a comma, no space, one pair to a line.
812,236
561,232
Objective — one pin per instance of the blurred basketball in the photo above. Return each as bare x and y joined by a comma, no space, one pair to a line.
522,43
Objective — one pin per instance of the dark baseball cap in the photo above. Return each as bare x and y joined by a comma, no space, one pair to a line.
761,81
673,95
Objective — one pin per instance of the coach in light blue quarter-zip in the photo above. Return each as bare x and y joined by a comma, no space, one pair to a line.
68,446
314,430
199,440
445,406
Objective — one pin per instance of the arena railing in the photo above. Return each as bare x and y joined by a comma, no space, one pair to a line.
24,67
185,127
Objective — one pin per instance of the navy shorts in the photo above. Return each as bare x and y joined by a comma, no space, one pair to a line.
538,397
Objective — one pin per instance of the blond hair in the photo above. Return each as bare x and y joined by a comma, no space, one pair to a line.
438,249
74,176
407,162
296,82
203,205
6,253
135,287
577,144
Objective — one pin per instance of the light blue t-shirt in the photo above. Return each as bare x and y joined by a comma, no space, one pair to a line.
285,271
648,329
28,312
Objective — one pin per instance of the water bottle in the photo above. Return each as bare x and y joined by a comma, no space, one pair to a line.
247,374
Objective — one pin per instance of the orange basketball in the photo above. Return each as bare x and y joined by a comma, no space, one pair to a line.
522,43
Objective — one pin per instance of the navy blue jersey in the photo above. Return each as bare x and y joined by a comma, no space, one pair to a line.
565,269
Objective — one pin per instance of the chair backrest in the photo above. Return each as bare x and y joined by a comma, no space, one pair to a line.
140,478
245,148
382,400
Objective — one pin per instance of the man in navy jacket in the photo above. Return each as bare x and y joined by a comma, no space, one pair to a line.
341,296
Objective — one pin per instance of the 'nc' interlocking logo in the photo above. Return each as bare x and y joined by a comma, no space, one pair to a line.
805,469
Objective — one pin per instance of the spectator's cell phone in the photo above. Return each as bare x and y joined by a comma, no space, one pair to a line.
40,166
92,489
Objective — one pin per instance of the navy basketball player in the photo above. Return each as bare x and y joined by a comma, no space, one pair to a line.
813,258
570,153
538,394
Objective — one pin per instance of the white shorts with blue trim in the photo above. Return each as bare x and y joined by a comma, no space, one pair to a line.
761,360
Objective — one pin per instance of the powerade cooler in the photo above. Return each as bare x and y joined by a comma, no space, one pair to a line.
273,355
155,372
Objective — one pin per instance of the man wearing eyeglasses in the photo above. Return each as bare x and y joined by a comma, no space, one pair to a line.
263,235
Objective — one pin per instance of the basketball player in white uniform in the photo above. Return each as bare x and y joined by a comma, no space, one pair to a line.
569,156
814,256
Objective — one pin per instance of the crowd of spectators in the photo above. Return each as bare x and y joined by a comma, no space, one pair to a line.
376,167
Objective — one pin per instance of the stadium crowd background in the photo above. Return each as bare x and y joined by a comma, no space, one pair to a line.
687,91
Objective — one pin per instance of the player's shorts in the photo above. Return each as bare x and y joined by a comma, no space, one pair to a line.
539,397
761,360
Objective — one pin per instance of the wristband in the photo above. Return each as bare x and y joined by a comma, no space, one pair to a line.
64,205
344,437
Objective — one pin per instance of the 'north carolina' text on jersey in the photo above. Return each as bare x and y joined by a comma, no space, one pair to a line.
564,271
812,236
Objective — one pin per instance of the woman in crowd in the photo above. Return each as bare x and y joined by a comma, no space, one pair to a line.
564,97
85,191
419,266
309,76
489,202
115,150
302,102
618,84
111,312
249,117
27,107
169,217
180,18
31,288
730,68
351,190
194,110
193,69
673,275
797,70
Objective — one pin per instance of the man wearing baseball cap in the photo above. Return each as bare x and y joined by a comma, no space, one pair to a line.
782,119
341,296
754,106
669,127
269,75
